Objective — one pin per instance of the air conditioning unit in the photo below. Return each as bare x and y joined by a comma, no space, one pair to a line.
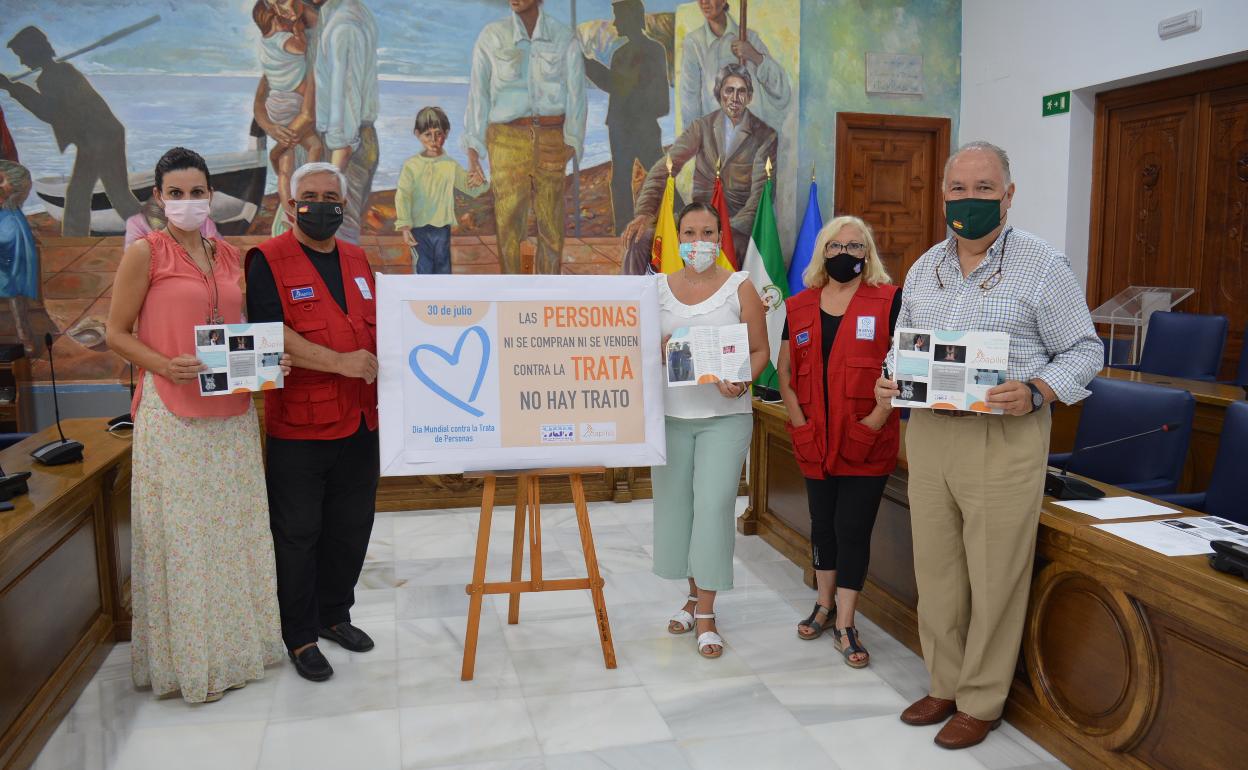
1179,25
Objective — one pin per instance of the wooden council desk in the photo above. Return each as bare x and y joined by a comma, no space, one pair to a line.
1129,658
1212,398
64,582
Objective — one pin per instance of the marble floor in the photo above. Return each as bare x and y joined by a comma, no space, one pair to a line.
541,697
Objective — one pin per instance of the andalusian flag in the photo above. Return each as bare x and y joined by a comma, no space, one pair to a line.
765,264
665,250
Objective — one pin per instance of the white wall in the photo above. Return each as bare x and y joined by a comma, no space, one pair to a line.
1016,51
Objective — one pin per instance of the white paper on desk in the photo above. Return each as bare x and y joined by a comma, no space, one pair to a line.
1115,507
1159,536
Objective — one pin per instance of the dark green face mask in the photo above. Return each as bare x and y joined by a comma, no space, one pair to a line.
973,218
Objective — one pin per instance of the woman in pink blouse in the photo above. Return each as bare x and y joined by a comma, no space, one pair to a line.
203,586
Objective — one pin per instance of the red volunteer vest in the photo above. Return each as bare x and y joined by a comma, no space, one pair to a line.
834,442
311,404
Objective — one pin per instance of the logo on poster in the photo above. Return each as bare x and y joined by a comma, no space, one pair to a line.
559,433
597,431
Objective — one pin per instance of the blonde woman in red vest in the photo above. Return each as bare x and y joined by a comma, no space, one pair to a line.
836,335
203,589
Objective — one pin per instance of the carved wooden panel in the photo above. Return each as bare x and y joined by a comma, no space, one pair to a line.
888,172
1223,284
1104,690
1148,230
1170,194
1202,682
45,612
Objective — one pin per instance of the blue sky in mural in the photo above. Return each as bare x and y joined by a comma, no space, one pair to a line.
420,39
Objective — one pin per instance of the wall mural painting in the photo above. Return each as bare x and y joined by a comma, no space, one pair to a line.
408,104
426,107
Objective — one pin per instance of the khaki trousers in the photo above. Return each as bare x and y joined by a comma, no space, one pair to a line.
527,165
976,484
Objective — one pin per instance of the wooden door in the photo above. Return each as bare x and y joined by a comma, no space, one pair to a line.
1222,284
888,170
1170,194
1149,209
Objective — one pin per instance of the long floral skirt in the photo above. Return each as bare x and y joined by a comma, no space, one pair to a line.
204,589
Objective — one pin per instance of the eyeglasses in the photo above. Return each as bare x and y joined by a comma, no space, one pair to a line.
835,247
991,281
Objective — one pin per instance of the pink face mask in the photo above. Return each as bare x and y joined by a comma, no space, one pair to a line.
187,214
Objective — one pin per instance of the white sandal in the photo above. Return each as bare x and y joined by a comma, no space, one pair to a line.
708,639
682,619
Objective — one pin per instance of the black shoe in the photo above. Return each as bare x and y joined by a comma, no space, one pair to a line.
348,637
311,664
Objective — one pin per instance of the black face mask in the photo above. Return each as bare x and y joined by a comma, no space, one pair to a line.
318,220
844,267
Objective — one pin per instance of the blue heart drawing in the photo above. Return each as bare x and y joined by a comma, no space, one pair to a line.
452,358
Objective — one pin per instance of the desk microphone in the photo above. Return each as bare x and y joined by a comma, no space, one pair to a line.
1064,487
66,450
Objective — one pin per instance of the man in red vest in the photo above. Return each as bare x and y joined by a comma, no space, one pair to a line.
321,454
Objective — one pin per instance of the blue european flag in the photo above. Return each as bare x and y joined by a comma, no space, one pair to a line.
812,223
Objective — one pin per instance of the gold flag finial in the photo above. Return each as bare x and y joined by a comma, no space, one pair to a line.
718,163
812,172
768,168
669,164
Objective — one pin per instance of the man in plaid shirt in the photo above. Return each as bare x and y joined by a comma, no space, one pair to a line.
977,480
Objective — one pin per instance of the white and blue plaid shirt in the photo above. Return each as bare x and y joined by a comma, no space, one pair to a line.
1026,290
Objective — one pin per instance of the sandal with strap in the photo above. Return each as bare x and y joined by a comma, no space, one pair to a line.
850,634
812,622
709,639
682,622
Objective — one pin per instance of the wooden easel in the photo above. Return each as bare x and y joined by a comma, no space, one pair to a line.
528,505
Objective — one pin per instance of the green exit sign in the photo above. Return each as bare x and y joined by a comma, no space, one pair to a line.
1056,104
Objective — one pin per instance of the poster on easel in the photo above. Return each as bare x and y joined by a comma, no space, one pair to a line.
514,372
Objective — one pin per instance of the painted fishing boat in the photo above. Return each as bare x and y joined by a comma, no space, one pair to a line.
238,180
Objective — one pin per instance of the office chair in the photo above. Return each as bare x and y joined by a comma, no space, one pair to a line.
1149,465
1187,345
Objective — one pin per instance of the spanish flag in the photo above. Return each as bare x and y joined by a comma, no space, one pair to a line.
665,250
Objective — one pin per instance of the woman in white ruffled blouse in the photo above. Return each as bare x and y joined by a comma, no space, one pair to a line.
708,430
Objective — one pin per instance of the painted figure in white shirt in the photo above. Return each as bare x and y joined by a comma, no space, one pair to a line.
526,109
716,43
344,51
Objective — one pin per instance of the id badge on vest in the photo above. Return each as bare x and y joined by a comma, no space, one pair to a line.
365,292
866,327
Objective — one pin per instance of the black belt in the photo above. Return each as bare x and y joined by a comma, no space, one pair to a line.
956,413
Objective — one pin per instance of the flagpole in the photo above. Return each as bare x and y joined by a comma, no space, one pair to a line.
576,164
742,25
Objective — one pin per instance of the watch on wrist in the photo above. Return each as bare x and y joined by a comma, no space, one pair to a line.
1037,398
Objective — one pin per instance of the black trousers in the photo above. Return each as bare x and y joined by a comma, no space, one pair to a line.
842,515
322,498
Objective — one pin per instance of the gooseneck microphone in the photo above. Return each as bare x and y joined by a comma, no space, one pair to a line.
65,450
1064,487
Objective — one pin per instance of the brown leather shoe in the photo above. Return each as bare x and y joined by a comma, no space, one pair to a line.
964,731
928,711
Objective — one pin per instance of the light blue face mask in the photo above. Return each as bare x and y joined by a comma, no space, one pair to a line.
699,255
